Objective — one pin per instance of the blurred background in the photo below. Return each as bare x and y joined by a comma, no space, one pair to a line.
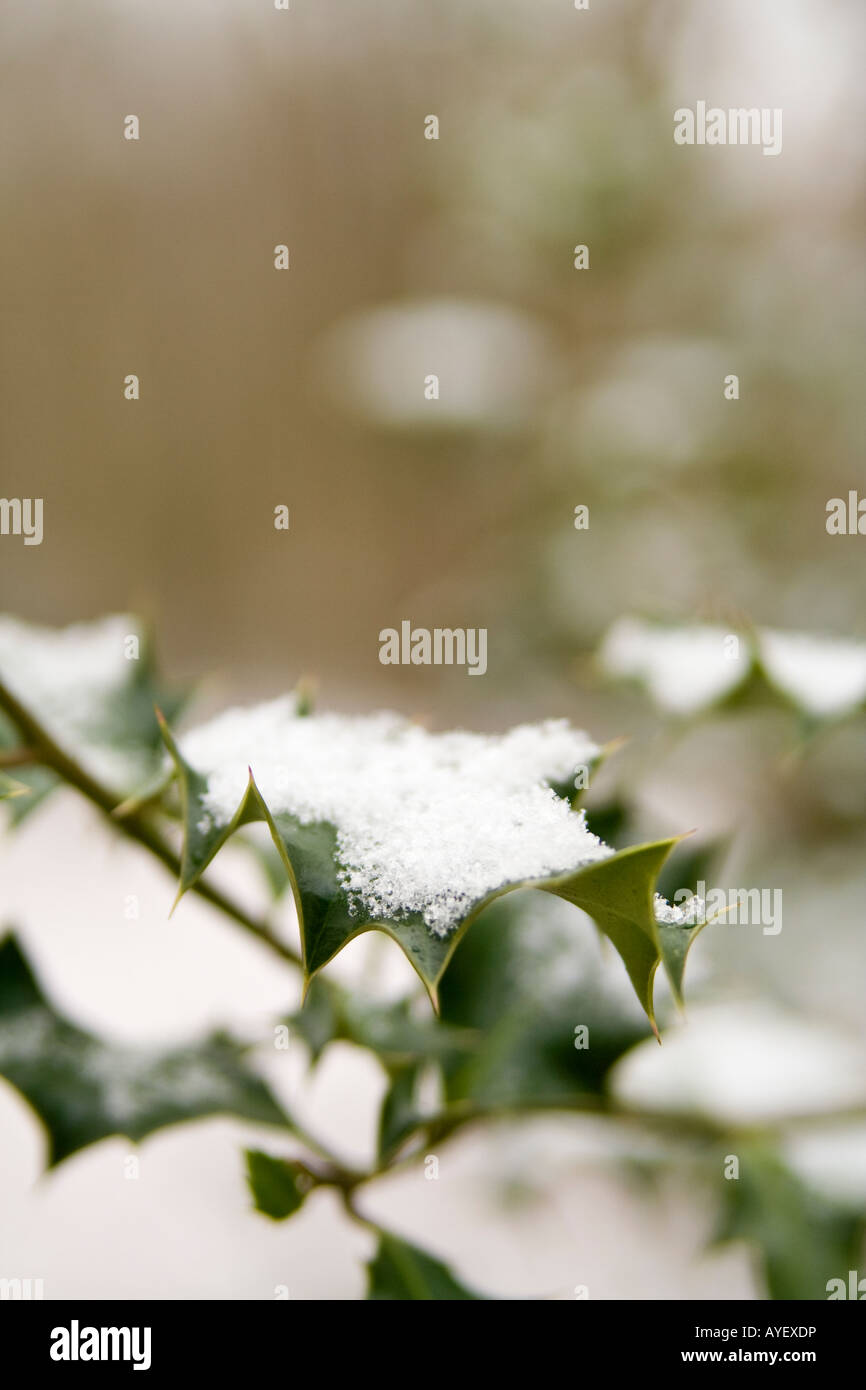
559,387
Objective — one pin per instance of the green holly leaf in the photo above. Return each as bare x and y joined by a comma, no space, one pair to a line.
616,891
399,1115
318,1022
394,1032
278,1185
549,1020
85,1089
400,1271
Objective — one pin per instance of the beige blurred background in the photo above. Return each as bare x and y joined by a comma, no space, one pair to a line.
305,388
558,387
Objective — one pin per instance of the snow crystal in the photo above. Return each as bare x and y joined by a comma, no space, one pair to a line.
426,823
822,674
683,668
685,914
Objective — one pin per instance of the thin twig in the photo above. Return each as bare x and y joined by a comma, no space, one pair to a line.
18,757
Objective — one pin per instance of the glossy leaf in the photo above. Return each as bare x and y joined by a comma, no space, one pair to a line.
617,892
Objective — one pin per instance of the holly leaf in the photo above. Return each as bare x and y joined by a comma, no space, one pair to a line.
85,1089
393,1031
617,891
688,669
278,1185
399,1115
400,1271
549,1020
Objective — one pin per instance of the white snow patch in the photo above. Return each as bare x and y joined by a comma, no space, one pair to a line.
685,914
426,823
684,668
745,1063
66,677
824,675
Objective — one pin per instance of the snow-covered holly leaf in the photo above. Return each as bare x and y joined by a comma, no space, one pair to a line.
278,1185
400,1271
384,826
684,668
823,677
84,1088
687,669
92,687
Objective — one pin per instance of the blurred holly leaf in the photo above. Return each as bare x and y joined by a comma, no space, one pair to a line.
400,1113
278,1185
688,669
800,1238
85,1089
402,1272
393,1031
93,687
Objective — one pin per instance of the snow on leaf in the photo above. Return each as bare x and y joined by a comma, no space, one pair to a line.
383,825
92,688
683,668
825,677
689,668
